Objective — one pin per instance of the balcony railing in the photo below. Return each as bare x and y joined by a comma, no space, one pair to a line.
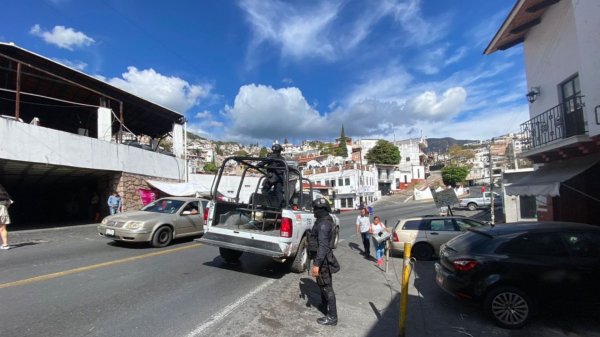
562,121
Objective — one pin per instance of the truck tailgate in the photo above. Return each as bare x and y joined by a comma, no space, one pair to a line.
246,242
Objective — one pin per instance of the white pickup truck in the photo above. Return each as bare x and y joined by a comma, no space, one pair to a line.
271,223
475,203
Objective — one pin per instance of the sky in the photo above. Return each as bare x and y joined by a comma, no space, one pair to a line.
255,71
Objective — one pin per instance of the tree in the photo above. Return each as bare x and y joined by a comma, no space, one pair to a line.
342,149
385,153
210,168
454,174
240,153
263,152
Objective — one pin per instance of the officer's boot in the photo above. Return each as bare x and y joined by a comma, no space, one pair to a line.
327,320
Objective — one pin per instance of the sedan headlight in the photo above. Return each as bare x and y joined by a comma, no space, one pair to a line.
133,225
104,221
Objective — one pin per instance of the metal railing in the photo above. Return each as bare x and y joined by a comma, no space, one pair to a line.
562,121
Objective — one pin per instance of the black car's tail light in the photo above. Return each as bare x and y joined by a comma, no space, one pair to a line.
464,264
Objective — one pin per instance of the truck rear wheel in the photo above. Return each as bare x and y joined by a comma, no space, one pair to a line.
300,262
230,255
472,206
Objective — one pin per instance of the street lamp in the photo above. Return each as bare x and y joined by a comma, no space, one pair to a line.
533,94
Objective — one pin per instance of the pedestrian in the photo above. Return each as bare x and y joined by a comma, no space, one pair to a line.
370,209
363,224
378,227
5,202
324,262
114,203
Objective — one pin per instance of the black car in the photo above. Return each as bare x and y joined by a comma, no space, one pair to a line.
515,269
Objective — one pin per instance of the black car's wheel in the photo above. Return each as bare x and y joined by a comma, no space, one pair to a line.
300,262
230,255
422,251
336,238
508,307
472,206
162,237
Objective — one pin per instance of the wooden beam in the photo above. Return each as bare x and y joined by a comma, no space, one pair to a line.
541,6
526,26
511,43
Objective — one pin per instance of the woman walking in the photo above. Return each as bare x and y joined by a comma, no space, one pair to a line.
5,201
376,228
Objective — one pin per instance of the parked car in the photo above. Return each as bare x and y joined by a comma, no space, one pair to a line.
515,269
485,200
158,222
427,233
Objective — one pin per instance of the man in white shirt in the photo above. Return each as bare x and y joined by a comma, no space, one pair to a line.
363,224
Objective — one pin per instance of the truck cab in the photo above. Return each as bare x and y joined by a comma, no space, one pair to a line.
485,200
260,219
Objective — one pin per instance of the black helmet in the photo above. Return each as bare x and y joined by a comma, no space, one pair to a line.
277,147
321,203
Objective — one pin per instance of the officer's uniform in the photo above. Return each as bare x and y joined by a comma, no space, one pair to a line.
273,182
322,233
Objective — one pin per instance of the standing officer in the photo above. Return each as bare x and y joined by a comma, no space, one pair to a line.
325,263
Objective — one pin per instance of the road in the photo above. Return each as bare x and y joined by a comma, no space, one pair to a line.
71,282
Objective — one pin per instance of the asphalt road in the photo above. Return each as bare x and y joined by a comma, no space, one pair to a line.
71,282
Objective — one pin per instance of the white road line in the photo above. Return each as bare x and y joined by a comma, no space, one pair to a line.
216,318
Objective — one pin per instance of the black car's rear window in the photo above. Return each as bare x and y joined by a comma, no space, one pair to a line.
541,244
471,241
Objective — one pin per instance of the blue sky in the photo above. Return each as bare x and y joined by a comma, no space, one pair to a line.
258,70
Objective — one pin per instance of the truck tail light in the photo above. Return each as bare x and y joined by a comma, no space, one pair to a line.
205,215
395,237
287,228
464,264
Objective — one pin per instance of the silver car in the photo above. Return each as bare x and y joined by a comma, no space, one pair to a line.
427,233
158,222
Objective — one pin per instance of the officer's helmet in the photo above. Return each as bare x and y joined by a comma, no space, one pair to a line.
321,203
277,148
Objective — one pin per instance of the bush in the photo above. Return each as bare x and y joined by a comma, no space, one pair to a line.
453,175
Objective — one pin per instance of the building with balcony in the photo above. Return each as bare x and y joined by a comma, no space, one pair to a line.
66,136
351,184
562,137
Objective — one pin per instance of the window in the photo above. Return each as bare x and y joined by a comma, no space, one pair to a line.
191,207
347,202
441,225
412,225
538,244
464,224
332,182
347,181
340,182
407,158
583,245
527,207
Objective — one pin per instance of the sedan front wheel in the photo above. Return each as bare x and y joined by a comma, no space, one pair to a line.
162,237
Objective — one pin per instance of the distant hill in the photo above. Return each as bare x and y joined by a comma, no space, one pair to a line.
441,145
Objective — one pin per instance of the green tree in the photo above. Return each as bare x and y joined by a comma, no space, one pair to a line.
342,149
210,168
263,152
241,153
385,153
453,174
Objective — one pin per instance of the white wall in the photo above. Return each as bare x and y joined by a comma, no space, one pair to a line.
30,143
565,43
588,37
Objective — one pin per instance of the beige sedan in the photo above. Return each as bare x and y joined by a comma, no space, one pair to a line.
158,223
426,234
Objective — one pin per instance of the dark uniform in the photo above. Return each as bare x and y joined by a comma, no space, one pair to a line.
322,234
273,182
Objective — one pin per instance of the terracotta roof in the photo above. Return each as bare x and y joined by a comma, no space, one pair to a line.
524,15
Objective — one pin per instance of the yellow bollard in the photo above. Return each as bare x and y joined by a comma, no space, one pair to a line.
404,291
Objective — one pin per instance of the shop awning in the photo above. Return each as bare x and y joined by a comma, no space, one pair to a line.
547,179
180,189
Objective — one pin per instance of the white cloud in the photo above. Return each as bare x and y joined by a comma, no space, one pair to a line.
63,37
168,91
77,65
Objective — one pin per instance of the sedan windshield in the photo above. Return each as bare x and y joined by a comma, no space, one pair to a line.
164,206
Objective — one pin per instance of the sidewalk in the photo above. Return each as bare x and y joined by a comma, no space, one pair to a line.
367,300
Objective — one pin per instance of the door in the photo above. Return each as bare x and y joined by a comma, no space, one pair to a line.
439,231
584,248
190,219
572,107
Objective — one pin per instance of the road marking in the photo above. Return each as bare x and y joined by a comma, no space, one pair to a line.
228,309
93,266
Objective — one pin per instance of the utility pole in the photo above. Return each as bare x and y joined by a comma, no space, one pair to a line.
492,215
512,139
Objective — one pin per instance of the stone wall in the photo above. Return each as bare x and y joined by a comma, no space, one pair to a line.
127,185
